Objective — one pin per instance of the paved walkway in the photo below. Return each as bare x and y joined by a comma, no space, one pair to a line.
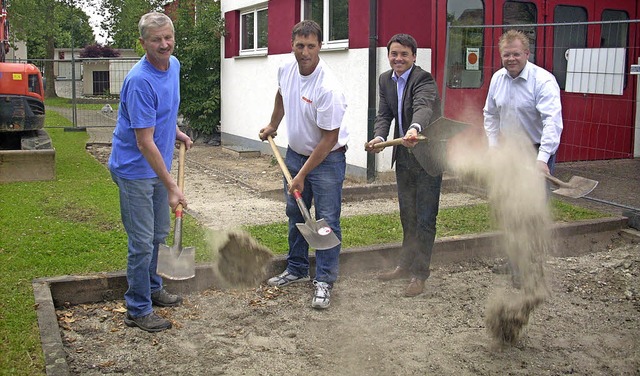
618,189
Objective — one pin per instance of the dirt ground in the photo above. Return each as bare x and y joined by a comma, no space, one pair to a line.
589,324
225,191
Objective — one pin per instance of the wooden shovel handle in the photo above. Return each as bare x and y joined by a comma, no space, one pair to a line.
283,166
181,153
394,142
296,194
557,182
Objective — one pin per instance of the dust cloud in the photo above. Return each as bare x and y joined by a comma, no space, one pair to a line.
517,196
239,260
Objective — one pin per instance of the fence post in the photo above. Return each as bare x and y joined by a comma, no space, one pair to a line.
74,107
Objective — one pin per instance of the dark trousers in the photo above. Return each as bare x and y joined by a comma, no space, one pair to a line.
419,200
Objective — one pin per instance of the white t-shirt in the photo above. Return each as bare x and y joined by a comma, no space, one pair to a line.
311,103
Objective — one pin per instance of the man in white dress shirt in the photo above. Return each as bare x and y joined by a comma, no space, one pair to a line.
524,97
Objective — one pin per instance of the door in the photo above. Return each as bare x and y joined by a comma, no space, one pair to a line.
101,82
465,84
464,65
590,61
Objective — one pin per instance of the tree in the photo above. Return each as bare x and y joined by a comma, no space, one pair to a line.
122,24
47,24
96,50
199,28
73,27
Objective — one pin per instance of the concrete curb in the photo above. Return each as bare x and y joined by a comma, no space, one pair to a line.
572,239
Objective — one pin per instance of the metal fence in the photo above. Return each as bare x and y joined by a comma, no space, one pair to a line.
593,63
96,82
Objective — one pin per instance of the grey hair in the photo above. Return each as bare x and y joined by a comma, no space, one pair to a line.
153,20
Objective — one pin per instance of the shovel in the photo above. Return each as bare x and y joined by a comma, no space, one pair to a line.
576,187
318,234
394,142
175,262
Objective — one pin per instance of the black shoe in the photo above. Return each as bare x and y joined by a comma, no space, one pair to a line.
151,323
163,299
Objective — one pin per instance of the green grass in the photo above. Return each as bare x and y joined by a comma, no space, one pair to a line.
365,230
71,225
66,103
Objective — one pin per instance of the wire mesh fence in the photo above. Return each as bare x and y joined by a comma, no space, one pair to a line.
592,63
90,85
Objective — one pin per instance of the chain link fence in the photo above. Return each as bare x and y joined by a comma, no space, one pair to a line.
91,86
593,63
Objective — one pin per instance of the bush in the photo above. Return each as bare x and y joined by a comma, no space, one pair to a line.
197,48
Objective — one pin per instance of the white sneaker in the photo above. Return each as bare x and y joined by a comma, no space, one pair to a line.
322,295
285,278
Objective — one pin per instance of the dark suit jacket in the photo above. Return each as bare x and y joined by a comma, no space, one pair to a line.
420,104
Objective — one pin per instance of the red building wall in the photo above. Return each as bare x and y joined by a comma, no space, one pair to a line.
283,14
231,36
410,17
413,17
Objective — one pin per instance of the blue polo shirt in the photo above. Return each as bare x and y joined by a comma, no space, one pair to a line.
149,98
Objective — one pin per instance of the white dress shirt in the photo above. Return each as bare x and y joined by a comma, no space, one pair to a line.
530,103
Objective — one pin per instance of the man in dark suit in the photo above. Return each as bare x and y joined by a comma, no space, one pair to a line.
408,95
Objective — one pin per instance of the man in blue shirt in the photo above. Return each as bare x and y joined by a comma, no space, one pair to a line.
141,155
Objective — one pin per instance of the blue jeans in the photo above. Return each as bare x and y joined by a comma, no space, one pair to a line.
144,208
419,201
324,185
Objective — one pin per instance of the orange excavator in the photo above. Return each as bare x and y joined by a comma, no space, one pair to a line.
22,114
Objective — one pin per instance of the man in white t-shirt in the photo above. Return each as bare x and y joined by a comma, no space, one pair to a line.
312,99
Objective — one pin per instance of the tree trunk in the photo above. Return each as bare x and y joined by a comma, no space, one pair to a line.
50,79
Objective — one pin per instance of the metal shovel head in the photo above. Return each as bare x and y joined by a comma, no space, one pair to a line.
318,234
176,264
576,187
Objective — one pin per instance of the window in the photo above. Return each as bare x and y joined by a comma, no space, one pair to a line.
522,13
566,37
34,84
100,82
253,32
332,16
614,34
464,61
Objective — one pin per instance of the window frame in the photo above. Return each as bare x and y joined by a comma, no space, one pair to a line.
530,31
578,37
457,76
326,25
255,51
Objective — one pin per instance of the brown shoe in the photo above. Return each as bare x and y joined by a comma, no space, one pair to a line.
397,273
415,288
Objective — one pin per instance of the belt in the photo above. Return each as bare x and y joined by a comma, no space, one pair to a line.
342,149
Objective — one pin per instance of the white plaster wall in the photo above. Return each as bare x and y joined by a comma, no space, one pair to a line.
228,5
249,86
17,51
